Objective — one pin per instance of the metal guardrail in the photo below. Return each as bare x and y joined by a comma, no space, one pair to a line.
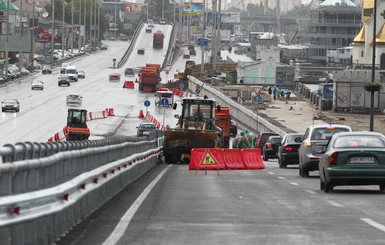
132,44
42,198
171,47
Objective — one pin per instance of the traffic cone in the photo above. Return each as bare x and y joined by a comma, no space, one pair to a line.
111,112
141,115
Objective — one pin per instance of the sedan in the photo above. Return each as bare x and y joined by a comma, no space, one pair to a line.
81,74
74,100
270,149
129,71
103,47
10,105
140,50
353,158
64,79
145,129
46,70
114,76
288,150
37,84
186,56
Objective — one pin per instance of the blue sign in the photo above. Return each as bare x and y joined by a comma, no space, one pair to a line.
203,41
113,59
257,99
197,91
164,102
147,103
181,85
159,79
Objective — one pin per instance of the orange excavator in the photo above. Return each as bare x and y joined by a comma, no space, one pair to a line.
76,125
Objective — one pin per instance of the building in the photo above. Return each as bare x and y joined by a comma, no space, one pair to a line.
333,24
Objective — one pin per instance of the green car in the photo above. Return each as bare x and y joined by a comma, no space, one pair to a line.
353,158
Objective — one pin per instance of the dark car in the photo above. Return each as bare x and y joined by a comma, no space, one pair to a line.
63,79
353,158
270,149
46,70
288,150
262,138
140,50
148,30
233,128
145,129
10,105
192,52
129,72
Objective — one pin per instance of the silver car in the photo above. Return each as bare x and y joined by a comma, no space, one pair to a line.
37,84
74,100
315,139
10,105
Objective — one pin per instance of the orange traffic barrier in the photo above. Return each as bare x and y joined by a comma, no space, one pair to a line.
206,159
147,89
252,159
233,158
110,112
128,84
141,115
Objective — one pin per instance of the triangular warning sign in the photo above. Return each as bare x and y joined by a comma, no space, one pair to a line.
208,159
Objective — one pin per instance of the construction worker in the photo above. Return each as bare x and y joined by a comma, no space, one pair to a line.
250,139
243,141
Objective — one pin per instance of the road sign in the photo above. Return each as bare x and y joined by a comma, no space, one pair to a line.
181,85
203,41
164,102
147,103
159,79
197,91
113,59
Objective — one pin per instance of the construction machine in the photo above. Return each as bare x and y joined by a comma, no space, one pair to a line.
189,69
76,125
196,128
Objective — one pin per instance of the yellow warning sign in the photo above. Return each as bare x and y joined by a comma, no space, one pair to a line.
208,159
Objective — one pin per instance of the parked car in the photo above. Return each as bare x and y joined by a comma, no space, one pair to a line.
24,71
3,79
37,84
315,138
46,69
148,30
186,56
270,149
262,137
192,52
81,74
10,105
64,80
288,150
145,129
129,71
190,47
74,100
353,158
150,25
114,76
140,50
162,21
103,47
233,128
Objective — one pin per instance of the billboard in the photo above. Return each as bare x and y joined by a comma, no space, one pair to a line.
192,8
132,9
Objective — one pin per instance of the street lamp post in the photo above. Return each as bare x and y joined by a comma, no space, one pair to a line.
53,31
162,9
80,23
62,34
7,43
371,124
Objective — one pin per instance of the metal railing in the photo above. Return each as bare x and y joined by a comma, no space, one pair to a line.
132,44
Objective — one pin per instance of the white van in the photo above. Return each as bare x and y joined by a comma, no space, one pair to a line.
72,73
63,67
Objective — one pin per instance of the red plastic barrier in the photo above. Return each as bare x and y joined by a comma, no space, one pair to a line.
233,158
141,115
128,84
177,91
110,111
252,159
147,89
206,159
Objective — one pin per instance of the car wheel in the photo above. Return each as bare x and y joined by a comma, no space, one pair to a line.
266,157
382,188
328,187
58,84
321,184
300,170
282,164
2,110
305,173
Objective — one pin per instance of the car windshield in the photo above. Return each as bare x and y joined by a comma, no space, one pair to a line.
10,102
148,126
359,141
295,139
326,133
275,140
63,76
73,96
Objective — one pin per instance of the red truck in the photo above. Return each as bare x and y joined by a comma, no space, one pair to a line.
158,40
149,76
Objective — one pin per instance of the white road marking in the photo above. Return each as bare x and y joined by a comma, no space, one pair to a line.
335,204
374,224
121,227
311,192
271,173
281,178
293,183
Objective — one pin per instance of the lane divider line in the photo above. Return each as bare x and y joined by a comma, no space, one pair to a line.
374,224
271,173
281,178
121,227
311,192
335,204
293,183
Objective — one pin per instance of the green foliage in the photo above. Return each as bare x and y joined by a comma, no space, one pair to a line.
374,86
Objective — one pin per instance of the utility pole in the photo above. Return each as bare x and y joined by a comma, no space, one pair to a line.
72,27
180,24
80,23
21,35
85,21
95,27
115,21
7,43
63,31
91,24
213,34
53,31
203,36
371,121
99,24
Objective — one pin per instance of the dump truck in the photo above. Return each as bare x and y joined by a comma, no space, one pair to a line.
158,40
224,121
189,69
76,125
196,128
149,77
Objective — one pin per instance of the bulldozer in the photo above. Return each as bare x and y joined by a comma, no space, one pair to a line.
189,69
196,128
76,125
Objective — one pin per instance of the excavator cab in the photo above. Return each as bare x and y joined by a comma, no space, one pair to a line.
76,125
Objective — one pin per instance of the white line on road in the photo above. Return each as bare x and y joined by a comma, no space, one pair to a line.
374,224
271,173
281,178
311,192
335,204
121,227
293,183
